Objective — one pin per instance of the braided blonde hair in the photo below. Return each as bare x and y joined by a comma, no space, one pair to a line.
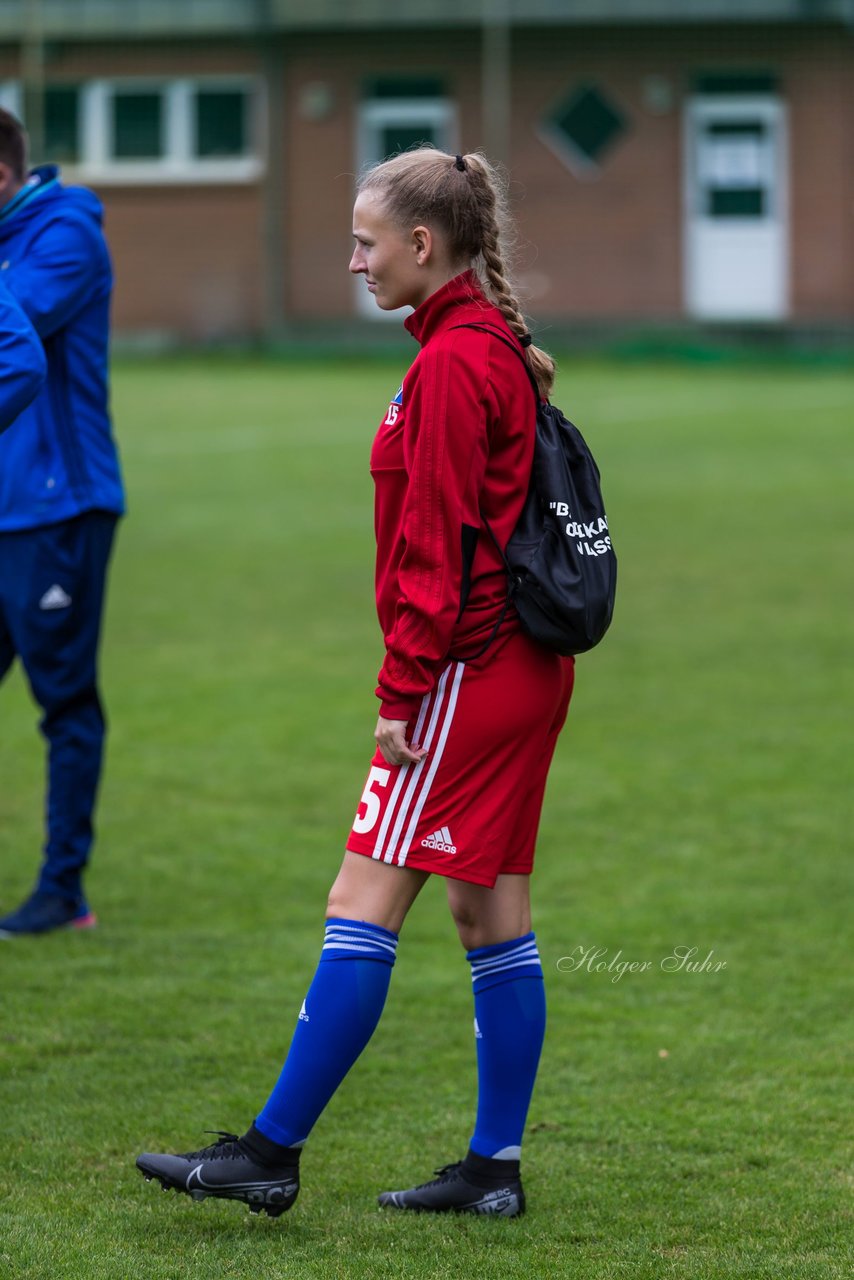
465,198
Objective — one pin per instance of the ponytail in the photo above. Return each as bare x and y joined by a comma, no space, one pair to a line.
493,272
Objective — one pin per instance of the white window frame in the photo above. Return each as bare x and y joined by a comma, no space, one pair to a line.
11,96
375,113
178,164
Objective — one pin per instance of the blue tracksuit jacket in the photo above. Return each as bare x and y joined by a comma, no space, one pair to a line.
22,363
59,459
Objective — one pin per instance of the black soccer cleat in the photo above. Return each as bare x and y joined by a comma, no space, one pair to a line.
228,1171
469,1186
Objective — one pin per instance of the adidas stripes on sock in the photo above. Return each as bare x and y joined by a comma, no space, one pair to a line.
336,1021
510,1023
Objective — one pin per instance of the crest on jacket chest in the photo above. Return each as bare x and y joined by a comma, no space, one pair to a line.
394,409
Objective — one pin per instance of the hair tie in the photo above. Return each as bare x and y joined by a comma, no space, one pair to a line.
460,164
526,339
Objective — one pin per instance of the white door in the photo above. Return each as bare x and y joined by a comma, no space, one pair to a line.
736,224
387,126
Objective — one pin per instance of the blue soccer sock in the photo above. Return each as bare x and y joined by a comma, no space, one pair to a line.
510,1023
337,1019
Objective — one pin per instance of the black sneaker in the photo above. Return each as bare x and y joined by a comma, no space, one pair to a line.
43,912
473,1185
226,1170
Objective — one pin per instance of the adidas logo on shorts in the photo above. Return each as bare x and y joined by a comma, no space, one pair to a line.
440,840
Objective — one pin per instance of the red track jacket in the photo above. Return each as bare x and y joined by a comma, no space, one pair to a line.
458,438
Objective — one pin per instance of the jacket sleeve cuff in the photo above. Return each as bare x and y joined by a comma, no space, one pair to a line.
396,708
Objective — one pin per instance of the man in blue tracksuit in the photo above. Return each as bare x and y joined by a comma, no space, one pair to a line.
60,497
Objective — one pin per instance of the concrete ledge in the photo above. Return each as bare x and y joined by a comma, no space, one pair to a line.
815,343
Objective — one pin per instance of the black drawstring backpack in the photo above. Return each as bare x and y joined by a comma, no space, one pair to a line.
561,566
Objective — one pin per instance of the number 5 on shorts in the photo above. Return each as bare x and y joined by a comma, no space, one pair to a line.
371,800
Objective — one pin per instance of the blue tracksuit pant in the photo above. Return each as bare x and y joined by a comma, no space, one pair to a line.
52,584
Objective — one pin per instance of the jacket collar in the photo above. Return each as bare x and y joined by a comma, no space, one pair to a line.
39,181
442,308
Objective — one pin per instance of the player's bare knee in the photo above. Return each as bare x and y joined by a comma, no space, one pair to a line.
334,905
471,938
352,903
469,925
345,904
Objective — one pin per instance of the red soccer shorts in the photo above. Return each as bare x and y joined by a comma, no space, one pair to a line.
471,808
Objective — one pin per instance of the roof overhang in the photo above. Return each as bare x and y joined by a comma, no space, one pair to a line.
152,19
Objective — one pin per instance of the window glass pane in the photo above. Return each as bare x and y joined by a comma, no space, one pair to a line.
737,129
137,125
396,138
737,82
404,87
590,122
734,160
221,122
62,124
744,203
735,166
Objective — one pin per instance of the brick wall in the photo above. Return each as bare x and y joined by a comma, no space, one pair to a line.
190,259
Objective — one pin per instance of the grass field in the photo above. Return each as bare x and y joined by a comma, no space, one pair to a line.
685,1124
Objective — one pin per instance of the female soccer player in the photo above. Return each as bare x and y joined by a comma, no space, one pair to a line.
470,707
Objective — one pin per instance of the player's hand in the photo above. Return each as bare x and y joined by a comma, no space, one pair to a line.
391,739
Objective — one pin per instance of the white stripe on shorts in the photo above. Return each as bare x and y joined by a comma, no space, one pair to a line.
413,781
416,772
435,761
401,778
